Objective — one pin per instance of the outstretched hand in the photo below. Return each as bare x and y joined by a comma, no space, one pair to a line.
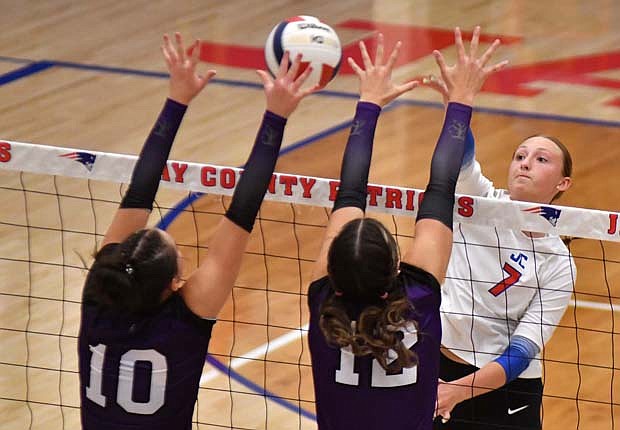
464,79
376,84
437,84
284,92
185,82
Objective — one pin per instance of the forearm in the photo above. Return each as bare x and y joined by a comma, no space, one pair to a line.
257,174
357,155
147,172
488,378
438,202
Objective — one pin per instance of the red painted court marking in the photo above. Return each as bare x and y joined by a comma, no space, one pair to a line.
427,39
571,70
513,80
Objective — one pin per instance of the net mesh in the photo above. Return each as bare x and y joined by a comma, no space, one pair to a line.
258,372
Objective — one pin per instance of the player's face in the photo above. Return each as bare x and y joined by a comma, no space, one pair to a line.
535,172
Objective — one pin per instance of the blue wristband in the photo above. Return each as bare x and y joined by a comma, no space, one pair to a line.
517,357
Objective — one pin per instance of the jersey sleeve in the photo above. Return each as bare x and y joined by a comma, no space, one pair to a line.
315,288
549,304
471,181
420,284
203,325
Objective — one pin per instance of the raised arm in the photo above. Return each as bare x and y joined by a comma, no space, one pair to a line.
376,90
185,84
433,242
470,180
208,287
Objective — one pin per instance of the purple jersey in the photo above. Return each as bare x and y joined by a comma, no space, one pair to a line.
140,372
355,392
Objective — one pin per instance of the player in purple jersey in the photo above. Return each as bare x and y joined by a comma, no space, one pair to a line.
374,319
144,330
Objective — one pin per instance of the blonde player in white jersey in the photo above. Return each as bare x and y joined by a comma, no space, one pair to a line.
504,295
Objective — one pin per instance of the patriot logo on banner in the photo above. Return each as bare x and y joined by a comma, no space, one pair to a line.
85,158
547,212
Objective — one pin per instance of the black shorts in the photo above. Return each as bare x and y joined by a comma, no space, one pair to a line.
515,406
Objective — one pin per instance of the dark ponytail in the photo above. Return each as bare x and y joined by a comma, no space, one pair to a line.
363,266
131,276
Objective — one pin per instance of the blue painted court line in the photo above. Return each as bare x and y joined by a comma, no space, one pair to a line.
25,71
316,137
329,131
324,93
167,219
258,389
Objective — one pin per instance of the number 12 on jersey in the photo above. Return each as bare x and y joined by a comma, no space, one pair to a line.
346,374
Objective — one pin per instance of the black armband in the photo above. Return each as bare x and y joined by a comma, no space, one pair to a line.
356,160
438,202
152,160
259,168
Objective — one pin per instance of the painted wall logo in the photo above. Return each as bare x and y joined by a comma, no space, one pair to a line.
85,158
547,212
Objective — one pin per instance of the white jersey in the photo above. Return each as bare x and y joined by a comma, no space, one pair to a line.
501,283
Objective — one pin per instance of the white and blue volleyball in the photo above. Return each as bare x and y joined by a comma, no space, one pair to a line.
316,41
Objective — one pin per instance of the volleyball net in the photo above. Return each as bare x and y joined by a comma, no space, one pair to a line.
58,203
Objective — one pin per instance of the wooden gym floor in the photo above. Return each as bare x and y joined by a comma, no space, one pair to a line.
89,75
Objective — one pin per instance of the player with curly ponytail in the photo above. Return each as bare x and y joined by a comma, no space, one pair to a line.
375,328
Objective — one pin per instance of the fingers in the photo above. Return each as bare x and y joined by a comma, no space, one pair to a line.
473,46
379,53
164,51
489,52
302,78
458,40
204,80
445,417
264,77
292,71
394,56
180,49
406,86
284,65
170,52
365,56
497,67
210,74
310,90
442,65
357,69
436,84
195,52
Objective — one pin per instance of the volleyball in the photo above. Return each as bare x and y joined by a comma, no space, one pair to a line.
315,40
